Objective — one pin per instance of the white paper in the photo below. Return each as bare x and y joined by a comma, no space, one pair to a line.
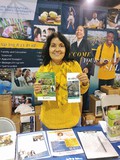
63,142
73,88
32,145
115,57
7,145
96,145
103,125
18,9
98,103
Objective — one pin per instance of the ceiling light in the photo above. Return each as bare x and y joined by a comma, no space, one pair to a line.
90,1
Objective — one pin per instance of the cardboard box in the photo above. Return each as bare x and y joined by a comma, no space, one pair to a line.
95,106
37,118
5,106
110,90
97,119
16,119
88,119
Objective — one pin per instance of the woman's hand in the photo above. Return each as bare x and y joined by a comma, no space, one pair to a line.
85,70
37,87
83,78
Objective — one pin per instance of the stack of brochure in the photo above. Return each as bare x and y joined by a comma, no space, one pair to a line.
96,145
32,145
7,145
63,142
43,144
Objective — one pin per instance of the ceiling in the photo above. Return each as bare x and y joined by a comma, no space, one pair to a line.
103,3
107,3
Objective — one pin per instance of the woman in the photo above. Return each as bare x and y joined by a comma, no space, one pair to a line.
37,34
60,114
71,18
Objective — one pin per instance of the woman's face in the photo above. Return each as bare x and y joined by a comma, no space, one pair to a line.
57,50
80,32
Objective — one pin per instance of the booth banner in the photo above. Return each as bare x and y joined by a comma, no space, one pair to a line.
17,53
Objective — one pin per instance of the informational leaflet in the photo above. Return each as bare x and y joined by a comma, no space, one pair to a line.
96,145
63,142
47,84
7,145
73,86
32,146
27,123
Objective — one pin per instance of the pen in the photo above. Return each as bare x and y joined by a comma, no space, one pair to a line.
101,144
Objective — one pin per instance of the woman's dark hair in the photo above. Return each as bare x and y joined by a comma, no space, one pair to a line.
45,51
29,100
37,31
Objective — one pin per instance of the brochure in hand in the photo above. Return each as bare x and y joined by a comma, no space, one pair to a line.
73,86
47,83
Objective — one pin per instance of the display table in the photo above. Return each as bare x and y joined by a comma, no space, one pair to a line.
82,156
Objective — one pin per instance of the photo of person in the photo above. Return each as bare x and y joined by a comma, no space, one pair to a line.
10,31
5,81
107,62
16,29
81,51
94,19
41,32
23,77
37,34
22,82
113,19
69,19
22,104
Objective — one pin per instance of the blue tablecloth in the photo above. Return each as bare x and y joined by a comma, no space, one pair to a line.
82,156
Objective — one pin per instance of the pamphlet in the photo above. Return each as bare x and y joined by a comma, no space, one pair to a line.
73,86
7,145
47,82
63,142
96,145
113,125
32,146
27,123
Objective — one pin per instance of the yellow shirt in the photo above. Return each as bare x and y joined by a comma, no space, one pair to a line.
55,114
107,71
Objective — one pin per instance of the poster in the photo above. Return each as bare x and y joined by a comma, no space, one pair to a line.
70,16
94,19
